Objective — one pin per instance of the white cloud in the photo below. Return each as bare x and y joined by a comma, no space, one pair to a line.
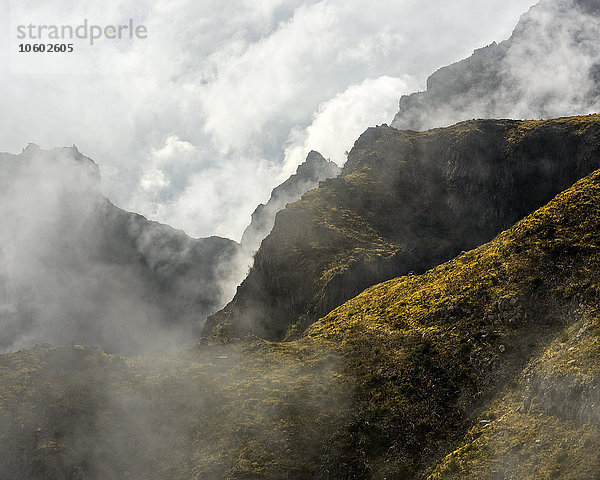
338,122
153,179
164,166
548,71
234,84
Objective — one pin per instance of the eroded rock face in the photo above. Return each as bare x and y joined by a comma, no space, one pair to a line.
404,202
548,68
74,268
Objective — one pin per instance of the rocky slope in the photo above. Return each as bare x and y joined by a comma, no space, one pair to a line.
549,67
77,269
414,377
546,424
440,351
405,201
308,175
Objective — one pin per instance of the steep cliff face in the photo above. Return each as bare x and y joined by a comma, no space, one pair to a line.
308,175
405,201
548,68
77,269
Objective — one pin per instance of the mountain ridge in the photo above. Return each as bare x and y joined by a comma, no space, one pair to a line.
175,280
73,261
405,201
308,175
406,380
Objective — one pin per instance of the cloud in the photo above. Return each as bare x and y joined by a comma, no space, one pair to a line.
167,164
338,122
549,63
239,81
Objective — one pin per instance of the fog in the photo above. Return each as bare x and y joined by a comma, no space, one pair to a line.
76,269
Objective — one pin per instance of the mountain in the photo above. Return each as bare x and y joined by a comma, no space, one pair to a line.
545,425
450,352
404,202
549,67
77,269
485,366
308,175
409,319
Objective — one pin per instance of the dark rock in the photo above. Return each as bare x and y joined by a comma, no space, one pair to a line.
308,175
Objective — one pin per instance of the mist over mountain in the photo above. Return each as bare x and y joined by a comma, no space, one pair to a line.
308,175
76,269
549,67
484,367
546,69
429,312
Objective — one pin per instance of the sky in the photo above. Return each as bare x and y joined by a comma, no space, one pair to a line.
195,123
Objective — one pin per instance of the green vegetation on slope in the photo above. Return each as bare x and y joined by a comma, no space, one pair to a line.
546,426
251,410
430,351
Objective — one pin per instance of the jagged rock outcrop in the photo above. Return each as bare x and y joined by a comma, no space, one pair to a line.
547,68
405,201
75,268
308,175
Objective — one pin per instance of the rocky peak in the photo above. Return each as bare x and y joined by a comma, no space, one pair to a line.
308,175
315,164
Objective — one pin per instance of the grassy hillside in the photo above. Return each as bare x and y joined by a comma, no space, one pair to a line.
475,355
405,201
251,410
545,425
431,351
